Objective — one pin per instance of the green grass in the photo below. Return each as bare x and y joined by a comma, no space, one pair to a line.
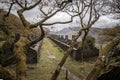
49,52
46,66
79,69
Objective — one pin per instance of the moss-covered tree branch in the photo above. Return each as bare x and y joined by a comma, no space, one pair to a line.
12,60
99,65
63,60
38,39
6,74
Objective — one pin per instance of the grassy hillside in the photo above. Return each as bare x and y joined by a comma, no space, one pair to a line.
13,22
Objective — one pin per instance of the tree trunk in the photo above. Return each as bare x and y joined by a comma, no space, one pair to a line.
20,54
57,71
101,61
5,74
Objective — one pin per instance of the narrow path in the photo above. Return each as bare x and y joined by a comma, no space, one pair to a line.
45,67
50,57
70,74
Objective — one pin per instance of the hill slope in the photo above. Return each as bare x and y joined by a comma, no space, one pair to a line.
13,22
73,31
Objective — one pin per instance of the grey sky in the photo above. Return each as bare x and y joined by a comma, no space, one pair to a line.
32,15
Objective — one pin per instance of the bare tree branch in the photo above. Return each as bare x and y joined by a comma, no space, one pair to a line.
6,74
61,22
38,39
88,6
46,18
10,9
91,8
25,3
24,21
99,64
28,8
32,6
19,4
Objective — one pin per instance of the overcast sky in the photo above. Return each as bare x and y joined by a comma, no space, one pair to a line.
104,21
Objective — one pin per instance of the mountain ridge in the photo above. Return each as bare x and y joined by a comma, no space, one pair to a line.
74,30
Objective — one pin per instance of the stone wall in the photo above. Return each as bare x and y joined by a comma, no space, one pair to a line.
64,43
33,53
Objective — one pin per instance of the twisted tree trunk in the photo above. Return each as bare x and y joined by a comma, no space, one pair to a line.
101,61
20,54
6,74
58,69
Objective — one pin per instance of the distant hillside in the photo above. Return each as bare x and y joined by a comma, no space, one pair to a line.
66,31
74,30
